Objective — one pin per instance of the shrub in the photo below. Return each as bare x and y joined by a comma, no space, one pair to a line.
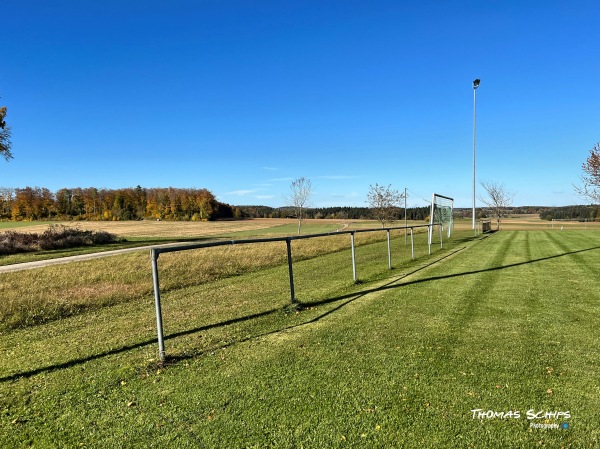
55,237
12,242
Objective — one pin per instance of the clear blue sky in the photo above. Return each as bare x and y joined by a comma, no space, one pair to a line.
241,97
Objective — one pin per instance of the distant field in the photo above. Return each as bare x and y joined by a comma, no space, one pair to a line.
144,233
149,228
20,225
266,226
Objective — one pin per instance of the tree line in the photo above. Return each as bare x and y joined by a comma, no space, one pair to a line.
589,213
38,203
337,212
137,203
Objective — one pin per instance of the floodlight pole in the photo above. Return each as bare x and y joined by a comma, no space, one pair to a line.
475,86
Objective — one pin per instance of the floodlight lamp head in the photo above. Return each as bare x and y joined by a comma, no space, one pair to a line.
476,84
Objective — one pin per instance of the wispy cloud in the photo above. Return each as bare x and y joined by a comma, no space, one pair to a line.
240,192
280,179
346,195
270,168
265,197
338,177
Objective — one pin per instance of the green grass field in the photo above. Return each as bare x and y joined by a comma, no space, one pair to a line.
505,323
22,224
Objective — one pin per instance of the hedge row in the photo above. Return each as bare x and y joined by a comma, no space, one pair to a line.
55,237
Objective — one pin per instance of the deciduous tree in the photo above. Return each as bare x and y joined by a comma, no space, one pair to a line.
591,176
5,134
7,195
299,197
384,203
498,198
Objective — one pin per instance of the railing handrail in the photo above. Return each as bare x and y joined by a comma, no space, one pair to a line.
155,252
190,246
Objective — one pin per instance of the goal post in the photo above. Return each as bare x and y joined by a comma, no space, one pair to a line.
441,214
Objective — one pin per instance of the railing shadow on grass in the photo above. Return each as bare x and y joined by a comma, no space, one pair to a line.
174,358
349,298
130,347
395,283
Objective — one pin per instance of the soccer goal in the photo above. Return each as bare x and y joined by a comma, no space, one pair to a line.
441,215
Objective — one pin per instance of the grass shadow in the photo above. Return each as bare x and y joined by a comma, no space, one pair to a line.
346,299
394,283
81,360
299,306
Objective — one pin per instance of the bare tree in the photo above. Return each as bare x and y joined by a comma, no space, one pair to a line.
299,197
385,202
5,143
591,176
498,198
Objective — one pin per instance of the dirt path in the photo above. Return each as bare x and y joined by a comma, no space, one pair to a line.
79,258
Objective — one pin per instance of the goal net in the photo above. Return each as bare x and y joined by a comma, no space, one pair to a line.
441,215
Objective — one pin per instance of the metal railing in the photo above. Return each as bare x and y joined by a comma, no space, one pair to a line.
156,252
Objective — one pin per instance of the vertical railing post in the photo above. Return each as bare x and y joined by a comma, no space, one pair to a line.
389,250
353,256
288,243
159,323
405,222
430,236
412,244
441,236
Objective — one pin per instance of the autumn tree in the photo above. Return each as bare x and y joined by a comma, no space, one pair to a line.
384,203
63,200
5,134
498,198
91,203
32,203
7,195
591,176
206,205
299,197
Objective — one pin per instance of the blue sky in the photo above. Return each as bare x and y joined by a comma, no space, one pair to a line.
242,97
